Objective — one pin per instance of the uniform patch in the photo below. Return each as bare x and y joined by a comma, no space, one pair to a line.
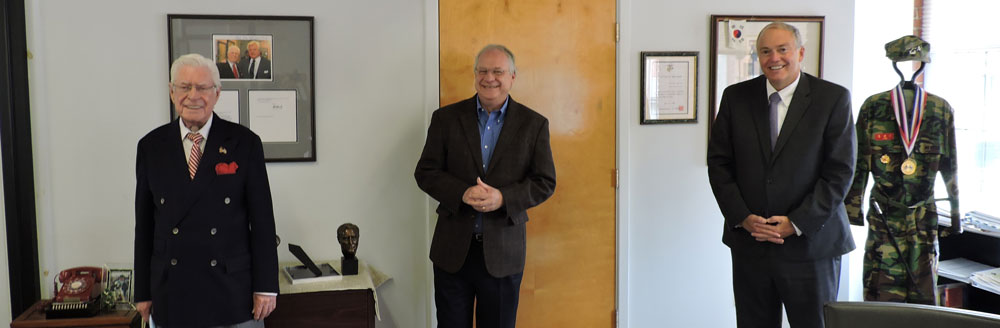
885,136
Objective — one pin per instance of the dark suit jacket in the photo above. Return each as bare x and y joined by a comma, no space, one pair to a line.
263,69
226,72
806,177
521,168
196,256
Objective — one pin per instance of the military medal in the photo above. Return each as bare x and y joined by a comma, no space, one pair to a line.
884,159
909,126
909,166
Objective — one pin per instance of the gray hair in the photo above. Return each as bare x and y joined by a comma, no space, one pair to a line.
491,47
195,60
783,26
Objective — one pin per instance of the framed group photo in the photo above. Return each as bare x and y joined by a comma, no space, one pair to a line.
733,52
266,67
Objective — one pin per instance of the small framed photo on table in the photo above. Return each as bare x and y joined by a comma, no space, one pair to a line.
119,287
669,89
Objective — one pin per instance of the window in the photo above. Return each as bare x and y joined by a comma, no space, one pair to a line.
965,70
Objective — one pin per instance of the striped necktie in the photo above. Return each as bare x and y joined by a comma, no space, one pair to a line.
195,157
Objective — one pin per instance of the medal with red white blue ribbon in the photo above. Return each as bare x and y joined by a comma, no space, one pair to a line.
909,126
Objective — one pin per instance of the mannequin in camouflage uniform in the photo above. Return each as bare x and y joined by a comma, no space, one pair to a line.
901,251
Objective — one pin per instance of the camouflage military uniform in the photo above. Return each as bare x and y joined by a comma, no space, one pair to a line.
901,251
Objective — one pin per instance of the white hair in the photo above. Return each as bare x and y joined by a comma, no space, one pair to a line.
195,60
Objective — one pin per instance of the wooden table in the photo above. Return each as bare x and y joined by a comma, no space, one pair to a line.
354,308
348,302
35,317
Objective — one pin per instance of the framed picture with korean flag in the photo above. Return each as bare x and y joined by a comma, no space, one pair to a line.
733,52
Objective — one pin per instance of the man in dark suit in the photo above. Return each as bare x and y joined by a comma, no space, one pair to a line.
256,66
205,252
486,160
782,194
230,69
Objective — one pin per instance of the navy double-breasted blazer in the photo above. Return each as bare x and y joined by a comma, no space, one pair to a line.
203,246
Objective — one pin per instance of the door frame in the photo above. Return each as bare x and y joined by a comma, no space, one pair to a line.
623,64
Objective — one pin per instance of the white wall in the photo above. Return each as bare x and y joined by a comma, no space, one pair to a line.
98,83
674,267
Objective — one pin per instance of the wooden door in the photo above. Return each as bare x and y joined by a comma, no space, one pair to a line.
565,56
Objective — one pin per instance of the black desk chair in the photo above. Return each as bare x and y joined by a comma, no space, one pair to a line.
889,315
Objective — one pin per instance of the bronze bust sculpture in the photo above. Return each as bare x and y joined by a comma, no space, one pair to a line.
348,235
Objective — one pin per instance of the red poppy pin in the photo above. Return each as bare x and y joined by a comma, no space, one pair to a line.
223,168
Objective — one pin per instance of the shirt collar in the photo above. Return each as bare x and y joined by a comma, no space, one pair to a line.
204,130
503,109
786,93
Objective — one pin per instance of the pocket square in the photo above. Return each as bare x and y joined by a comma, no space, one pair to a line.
223,168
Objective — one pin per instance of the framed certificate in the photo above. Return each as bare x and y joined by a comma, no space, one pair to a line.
669,87
266,68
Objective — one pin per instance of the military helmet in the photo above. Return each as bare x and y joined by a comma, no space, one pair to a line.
908,48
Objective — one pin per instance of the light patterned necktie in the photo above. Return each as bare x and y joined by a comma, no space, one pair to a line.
195,157
775,99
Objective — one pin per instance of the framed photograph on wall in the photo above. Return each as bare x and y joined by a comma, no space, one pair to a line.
669,87
733,52
266,67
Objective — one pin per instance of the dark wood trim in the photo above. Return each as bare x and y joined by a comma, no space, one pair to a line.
18,171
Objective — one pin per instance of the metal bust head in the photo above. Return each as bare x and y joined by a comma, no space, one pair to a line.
347,236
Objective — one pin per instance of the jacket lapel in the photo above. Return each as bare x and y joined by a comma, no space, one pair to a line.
797,109
469,121
759,111
508,134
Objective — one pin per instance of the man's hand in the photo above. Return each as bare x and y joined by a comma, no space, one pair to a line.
263,305
143,308
483,197
762,230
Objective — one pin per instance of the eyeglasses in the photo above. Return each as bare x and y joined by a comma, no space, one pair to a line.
199,89
496,72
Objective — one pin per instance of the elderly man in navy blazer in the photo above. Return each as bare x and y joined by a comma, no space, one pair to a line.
205,252
487,161
780,161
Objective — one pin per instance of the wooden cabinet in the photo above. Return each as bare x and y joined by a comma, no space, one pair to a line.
353,308
35,317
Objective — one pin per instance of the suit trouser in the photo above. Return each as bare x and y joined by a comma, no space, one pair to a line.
495,299
762,284
245,324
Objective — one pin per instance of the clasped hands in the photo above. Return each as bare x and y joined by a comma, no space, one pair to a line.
773,229
483,197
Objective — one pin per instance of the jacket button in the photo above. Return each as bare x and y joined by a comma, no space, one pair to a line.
176,231
226,200
212,263
212,231
173,261
162,200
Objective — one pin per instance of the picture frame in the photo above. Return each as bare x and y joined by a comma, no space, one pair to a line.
119,285
282,49
732,54
668,90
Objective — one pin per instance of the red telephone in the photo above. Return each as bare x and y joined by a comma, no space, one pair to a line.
79,294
